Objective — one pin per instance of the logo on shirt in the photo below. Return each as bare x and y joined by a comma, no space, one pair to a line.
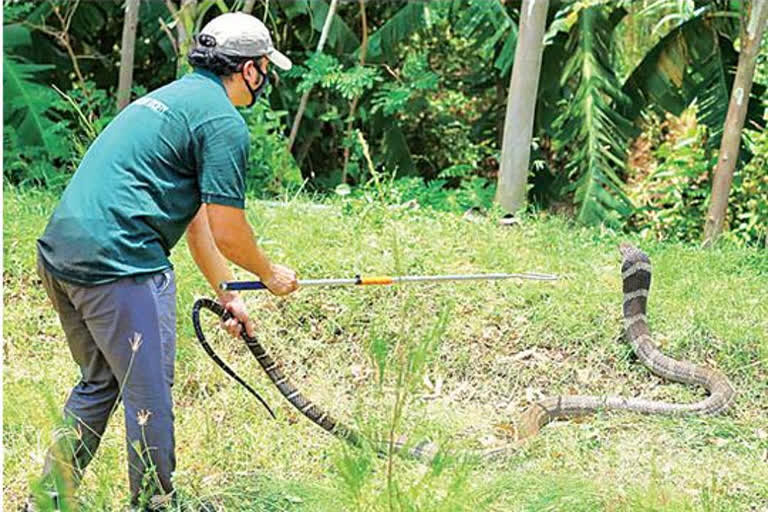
156,105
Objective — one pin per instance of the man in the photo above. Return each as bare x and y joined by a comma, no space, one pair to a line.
173,161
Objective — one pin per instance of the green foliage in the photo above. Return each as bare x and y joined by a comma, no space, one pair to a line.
489,27
326,72
27,165
26,105
407,93
694,62
271,167
673,199
748,203
428,99
341,37
33,136
472,192
589,124
384,42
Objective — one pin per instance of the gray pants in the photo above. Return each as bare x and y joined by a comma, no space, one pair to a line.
122,335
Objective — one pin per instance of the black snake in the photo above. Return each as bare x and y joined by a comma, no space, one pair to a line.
636,279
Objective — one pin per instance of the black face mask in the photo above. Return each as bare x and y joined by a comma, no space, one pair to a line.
255,93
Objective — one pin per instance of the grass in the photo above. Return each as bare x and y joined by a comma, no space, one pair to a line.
503,345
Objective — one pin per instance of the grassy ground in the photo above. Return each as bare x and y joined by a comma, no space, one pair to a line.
504,345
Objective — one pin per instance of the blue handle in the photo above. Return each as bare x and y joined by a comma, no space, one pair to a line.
243,285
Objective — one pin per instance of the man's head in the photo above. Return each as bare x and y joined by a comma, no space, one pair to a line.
237,47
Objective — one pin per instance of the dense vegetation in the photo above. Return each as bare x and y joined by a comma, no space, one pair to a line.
423,84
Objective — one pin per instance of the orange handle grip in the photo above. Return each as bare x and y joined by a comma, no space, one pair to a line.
376,280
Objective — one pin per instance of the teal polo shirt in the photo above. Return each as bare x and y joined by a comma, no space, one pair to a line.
143,179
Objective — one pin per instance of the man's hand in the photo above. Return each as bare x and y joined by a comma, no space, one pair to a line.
281,280
233,303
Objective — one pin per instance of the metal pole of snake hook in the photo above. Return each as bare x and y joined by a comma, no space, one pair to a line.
388,280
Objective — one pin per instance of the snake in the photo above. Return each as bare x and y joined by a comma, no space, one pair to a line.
636,282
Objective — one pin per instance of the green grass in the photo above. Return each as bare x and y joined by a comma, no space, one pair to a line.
709,307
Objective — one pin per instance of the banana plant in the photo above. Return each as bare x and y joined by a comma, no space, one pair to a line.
188,20
693,63
26,100
589,126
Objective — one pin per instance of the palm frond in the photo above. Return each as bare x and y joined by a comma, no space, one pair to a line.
590,126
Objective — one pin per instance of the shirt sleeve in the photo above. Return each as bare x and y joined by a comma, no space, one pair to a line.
222,147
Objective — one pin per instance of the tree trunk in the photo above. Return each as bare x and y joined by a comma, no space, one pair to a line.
248,7
521,106
305,96
126,53
184,17
353,104
734,121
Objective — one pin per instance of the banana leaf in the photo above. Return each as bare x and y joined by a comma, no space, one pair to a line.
695,62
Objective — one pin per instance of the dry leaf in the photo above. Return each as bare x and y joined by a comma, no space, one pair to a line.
583,376
508,430
525,354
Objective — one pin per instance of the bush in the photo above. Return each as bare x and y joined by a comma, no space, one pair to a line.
748,204
271,167
674,197
473,192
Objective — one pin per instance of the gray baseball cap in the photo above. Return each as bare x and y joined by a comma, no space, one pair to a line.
242,35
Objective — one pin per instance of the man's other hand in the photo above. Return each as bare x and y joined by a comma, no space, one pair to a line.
281,280
234,326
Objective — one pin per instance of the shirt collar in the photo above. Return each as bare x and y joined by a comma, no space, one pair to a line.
210,75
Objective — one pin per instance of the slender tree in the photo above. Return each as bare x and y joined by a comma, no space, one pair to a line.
249,5
521,106
127,52
751,37
353,103
184,18
305,96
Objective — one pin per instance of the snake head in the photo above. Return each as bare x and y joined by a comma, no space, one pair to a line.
632,254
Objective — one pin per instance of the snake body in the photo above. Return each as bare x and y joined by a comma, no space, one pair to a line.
636,283
636,279
284,385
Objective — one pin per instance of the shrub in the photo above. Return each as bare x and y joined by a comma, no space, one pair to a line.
674,197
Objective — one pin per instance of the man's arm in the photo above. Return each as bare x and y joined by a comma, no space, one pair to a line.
218,232
205,253
234,238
